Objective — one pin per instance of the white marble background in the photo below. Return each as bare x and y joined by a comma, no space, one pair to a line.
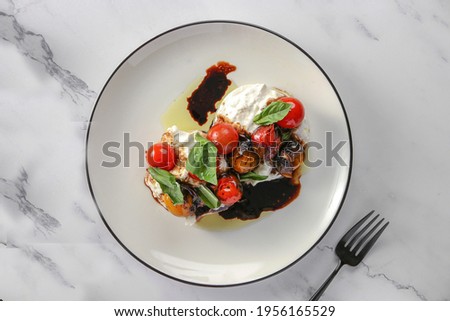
390,61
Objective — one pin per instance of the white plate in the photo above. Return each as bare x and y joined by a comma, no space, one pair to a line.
133,101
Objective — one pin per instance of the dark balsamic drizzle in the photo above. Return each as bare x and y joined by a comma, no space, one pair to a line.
265,196
212,88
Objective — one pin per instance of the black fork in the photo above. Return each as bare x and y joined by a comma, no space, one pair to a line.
353,247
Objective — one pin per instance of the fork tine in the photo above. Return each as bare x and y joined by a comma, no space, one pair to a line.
365,237
349,234
372,241
357,236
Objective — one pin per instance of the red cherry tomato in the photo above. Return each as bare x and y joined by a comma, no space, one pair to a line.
229,190
224,136
295,115
194,177
161,155
266,136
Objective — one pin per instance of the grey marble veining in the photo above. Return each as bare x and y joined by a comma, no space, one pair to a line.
14,190
365,31
34,46
389,60
394,283
46,263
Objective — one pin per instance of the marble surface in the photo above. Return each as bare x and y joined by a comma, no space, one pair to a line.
390,62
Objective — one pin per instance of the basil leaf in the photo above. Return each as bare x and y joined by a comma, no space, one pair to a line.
286,136
161,176
202,160
210,172
208,197
168,183
253,176
202,140
276,111
174,193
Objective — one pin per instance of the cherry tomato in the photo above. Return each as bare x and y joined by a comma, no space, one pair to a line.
224,136
295,115
229,189
161,155
266,136
194,177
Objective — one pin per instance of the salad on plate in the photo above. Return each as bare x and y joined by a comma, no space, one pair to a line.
248,161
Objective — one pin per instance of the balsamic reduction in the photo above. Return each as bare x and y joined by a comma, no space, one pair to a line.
210,91
264,196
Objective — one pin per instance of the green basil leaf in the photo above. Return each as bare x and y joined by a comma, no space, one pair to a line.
210,172
168,183
286,136
253,176
202,140
208,197
202,160
163,177
174,193
276,111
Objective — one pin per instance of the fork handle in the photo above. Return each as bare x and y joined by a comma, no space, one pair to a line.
324,286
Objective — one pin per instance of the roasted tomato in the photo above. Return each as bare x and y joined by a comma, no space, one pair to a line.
296,113
229,189
224,136
245,158
245,162
266,136
161,155
289,158
266,140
